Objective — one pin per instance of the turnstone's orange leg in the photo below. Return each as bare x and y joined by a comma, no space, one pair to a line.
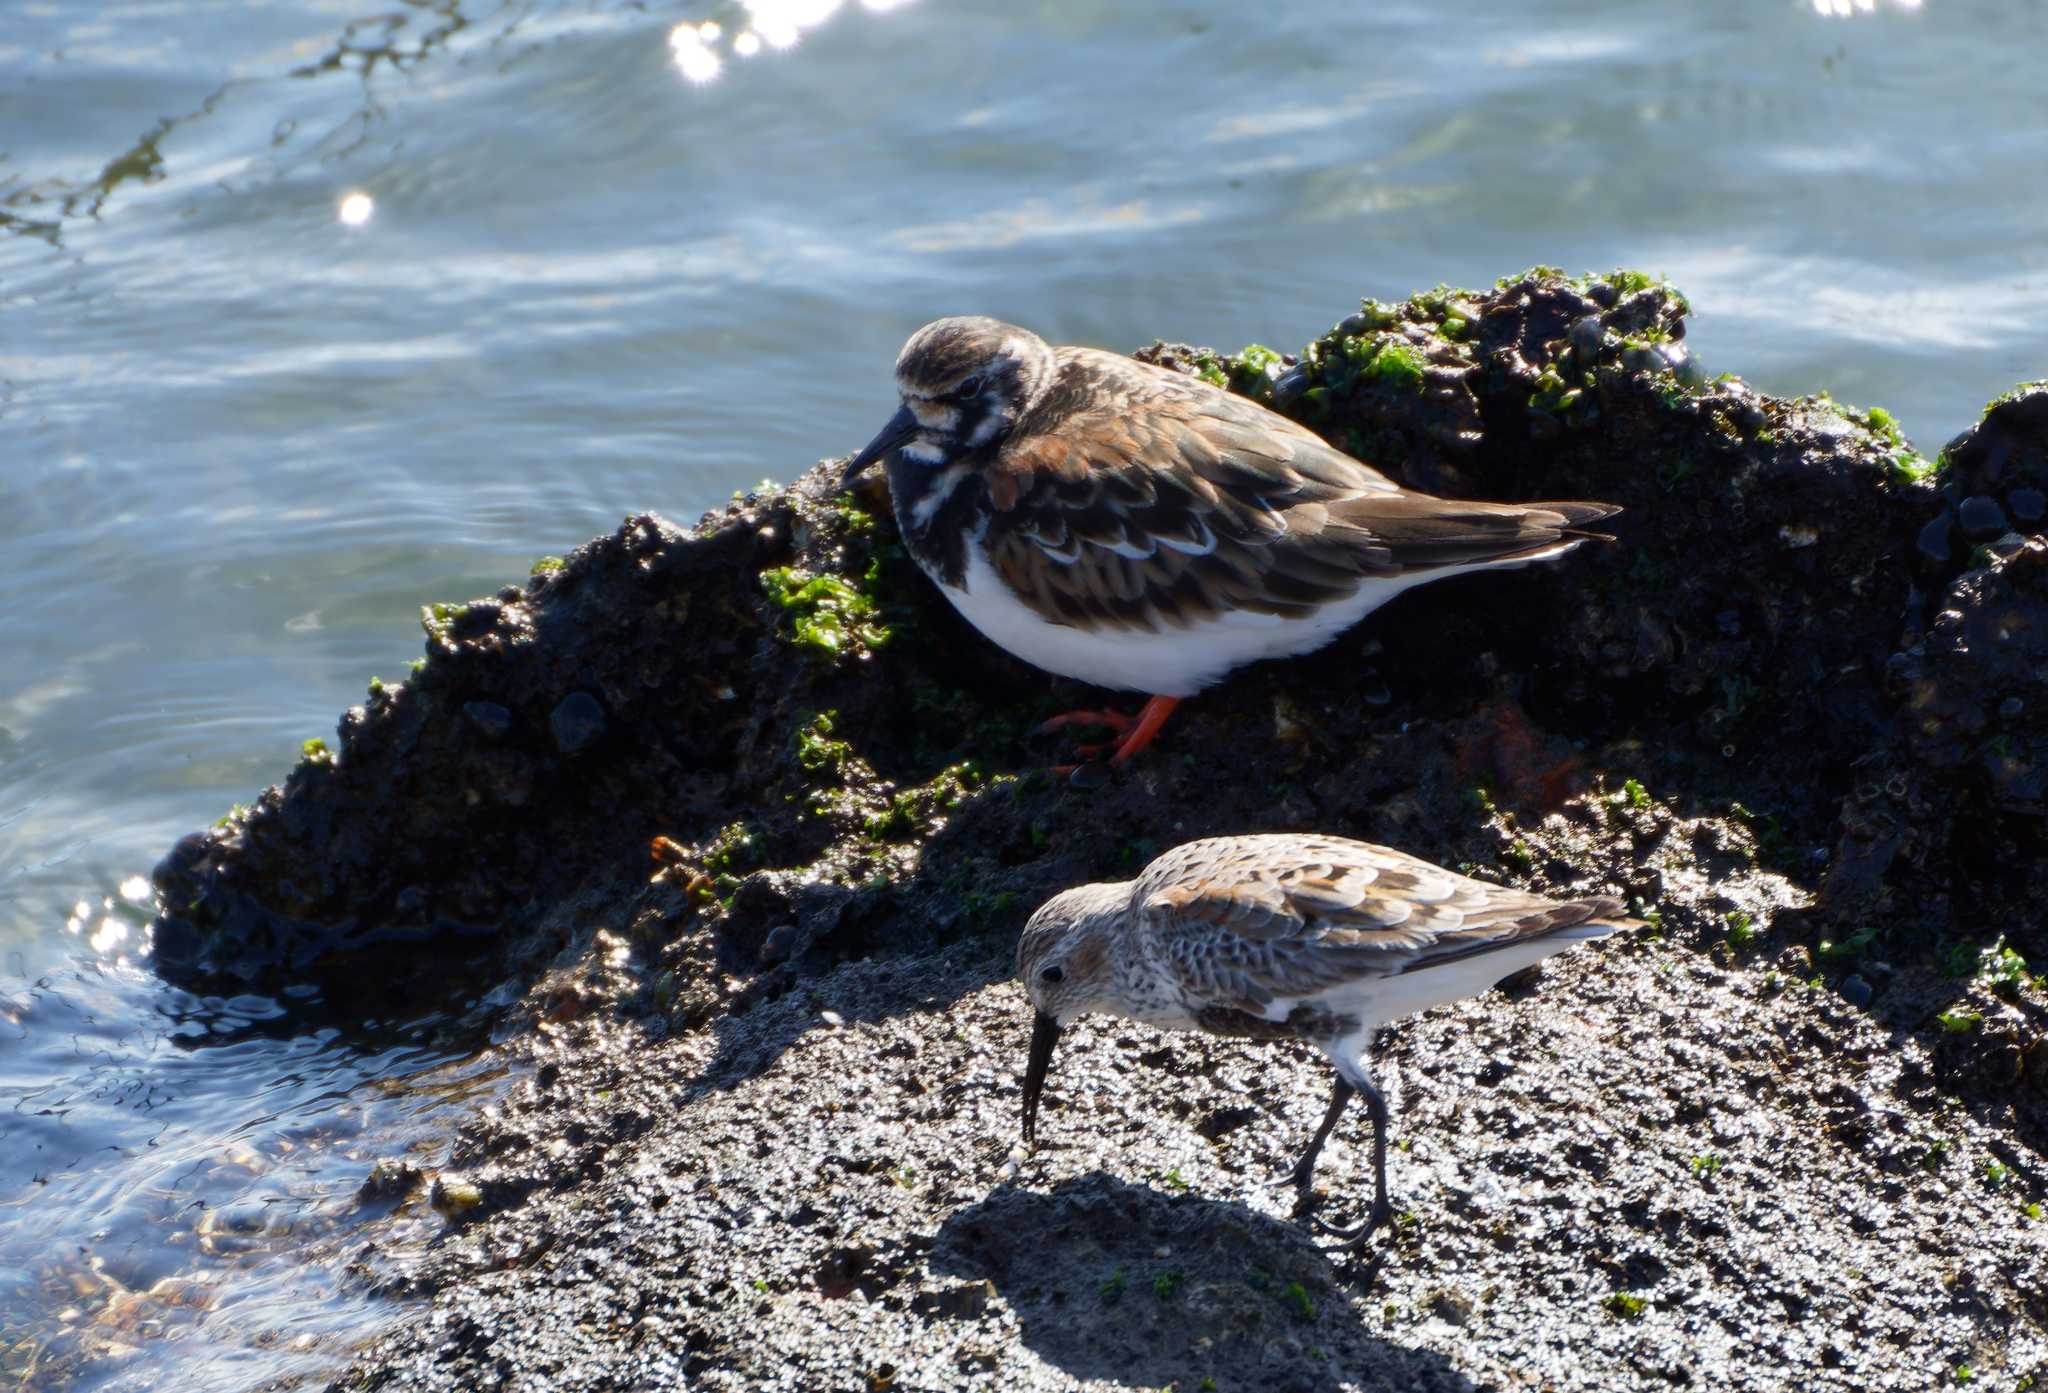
1134,734
1147,725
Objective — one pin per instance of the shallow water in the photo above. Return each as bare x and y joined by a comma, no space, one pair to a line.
316,310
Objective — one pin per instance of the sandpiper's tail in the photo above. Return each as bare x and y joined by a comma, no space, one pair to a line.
1596,916
1575,517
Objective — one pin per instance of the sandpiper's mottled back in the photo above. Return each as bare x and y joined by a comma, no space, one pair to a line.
1142,530
1287,936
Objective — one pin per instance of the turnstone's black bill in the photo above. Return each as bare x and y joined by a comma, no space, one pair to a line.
1144,531
1287,937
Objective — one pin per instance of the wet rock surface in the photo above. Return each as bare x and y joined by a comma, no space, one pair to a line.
1647,1171
669,804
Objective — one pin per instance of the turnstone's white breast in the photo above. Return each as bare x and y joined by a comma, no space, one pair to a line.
1288,936
1141,530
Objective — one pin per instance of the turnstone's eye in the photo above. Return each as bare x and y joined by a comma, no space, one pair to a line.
969,387
1054,974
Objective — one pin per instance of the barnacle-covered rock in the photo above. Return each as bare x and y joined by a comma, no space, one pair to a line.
1993,484
1973,688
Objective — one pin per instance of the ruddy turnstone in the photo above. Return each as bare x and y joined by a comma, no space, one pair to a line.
1287,937
1142,530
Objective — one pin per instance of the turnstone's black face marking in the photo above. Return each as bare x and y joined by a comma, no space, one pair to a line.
964,382
1139,529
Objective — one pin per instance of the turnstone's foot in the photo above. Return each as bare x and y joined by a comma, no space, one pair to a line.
1092,774
1108,720
1134,734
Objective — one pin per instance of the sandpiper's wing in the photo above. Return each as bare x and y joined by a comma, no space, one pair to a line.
1134,497
1245,921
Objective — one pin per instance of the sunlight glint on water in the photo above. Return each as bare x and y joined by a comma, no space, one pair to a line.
316,312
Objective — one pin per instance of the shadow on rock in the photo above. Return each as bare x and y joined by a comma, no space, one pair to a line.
1116,1281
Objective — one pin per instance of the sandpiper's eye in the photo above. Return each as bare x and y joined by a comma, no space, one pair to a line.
969,387
1054,974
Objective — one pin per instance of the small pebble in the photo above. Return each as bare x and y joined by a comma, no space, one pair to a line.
491,719
577,722
1855,990
1934,540
779,944
1981,517
1679,359
2027,504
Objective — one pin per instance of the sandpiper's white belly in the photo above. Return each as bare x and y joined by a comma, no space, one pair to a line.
1174,662
1420,989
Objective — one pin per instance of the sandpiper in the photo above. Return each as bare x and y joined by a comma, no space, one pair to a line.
1144,531
1289,936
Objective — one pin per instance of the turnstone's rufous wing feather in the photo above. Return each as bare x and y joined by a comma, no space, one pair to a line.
1149,499
1248,926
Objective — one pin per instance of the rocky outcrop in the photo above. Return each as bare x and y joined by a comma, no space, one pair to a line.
686,789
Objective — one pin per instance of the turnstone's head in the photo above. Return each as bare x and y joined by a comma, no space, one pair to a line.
1063,958
964,382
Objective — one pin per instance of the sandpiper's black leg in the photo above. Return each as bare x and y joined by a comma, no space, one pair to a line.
1376,1108
1305,1169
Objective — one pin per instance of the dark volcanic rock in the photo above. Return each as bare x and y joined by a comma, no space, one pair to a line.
1943,824
1973,689
1994,471
1952,825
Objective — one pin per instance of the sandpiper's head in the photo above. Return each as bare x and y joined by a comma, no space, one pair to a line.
964,382
1063,958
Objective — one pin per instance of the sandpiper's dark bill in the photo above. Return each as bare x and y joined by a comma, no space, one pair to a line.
1291,936
1142,530
1045,1033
